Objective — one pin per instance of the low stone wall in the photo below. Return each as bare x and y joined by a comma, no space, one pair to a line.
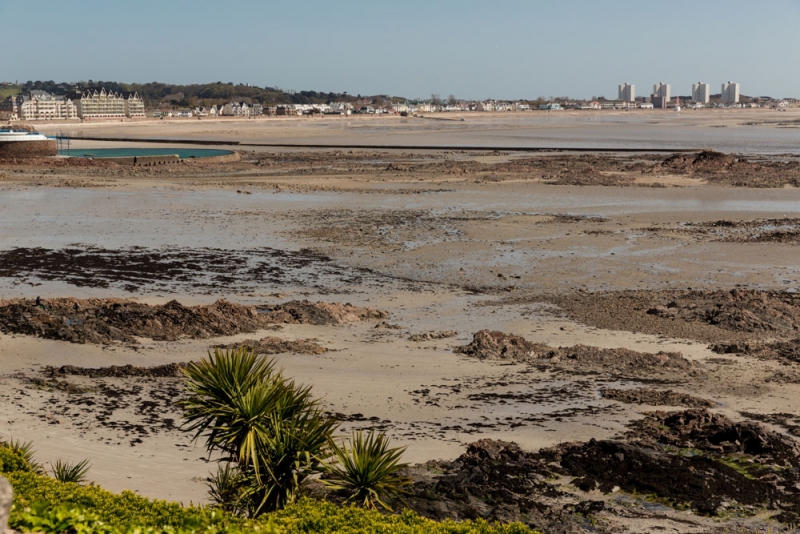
144,161
147,161
28,149
224,158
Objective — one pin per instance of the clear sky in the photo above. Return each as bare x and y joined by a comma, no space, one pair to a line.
472,49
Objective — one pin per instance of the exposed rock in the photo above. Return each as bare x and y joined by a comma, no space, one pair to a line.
700,481
108,320
704,430
777,350
614,360
656,398
489,345
493,345
430,336
715,316
705,161
319,313
117,320
276,345
589,176
494,480
388,326
170,370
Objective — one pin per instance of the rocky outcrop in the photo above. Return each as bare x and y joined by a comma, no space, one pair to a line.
276,345
656,398
319,313
107,321
494,345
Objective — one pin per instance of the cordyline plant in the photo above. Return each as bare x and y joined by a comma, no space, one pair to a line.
367,470
272,436
270,428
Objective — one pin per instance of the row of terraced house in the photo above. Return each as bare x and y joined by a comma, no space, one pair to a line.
87,105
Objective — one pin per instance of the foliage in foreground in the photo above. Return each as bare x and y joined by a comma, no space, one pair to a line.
367,470
43,504
269,427
272,436
69,472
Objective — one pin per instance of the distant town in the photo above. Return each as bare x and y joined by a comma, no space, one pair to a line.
100,103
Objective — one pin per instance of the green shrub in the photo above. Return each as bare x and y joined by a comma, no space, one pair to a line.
307,516
12,460
367,470
68,472
271,427
116,510
23,451
42,504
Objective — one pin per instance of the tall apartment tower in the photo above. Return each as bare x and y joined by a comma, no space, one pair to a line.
627,92
701,92
662,90
730,93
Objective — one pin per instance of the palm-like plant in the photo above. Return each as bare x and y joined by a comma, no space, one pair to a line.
68,472
368,470
216,388
225,487
272,428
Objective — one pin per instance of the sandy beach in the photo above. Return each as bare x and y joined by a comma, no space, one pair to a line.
447,244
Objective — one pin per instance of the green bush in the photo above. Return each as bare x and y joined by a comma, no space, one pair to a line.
307,516
42,504
269,426
116,510
11,460
367,470
69,472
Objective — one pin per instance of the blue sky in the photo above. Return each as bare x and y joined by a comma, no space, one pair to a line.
500,49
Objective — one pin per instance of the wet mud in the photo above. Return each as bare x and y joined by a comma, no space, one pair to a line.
175,270
714,316
784,231
429,166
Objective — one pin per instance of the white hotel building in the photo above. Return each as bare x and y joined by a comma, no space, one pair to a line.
42,106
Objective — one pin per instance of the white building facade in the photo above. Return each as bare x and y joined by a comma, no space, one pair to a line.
730,93
42,106
662,90
701,92
134,106
627,92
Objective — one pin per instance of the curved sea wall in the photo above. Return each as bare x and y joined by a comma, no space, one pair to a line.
27,149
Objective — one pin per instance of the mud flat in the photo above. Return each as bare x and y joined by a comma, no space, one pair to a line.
620,331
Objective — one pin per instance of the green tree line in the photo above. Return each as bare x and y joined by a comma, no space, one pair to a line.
206,94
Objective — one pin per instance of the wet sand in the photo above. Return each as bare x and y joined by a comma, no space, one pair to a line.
727,130
460,253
